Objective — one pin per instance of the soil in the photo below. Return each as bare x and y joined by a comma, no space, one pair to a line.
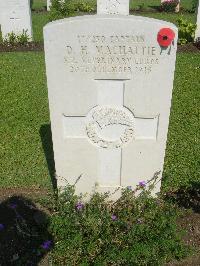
190,223
32,193
32,46
35,47
189,48
41,10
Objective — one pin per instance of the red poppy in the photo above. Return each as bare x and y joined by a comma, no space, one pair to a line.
165,37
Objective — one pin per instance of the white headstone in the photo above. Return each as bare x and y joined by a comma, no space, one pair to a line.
197,34
48,5
113,7
110,87
15,17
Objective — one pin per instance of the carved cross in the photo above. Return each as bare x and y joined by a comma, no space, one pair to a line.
110,127
113,7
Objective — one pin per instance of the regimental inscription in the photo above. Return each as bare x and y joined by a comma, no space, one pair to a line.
120,121
111,54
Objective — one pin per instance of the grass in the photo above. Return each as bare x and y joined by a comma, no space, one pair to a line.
24,109
171,17
39,20
182,164
39,4
24,113
147,4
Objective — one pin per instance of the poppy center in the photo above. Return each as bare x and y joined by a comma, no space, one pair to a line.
165,37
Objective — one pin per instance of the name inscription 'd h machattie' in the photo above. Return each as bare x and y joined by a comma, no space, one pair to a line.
111,54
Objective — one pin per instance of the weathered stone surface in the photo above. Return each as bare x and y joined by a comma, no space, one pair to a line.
48,5
110,87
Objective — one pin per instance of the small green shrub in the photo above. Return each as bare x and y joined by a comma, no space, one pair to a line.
135,230
186,31
61,9
83,6
12,38
169,5
23,38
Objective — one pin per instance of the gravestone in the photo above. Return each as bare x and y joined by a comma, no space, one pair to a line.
15,17
48,5
197,33
110,80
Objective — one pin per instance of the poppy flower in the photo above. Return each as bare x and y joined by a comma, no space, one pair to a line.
165,37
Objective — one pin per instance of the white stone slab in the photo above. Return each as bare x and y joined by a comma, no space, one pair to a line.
113,7
15,17
48,5
110,87
197,33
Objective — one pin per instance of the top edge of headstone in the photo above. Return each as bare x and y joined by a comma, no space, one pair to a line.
107,17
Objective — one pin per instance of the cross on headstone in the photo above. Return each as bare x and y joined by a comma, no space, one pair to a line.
113,7
112,131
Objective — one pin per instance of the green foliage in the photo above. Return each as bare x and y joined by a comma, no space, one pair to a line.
135,230
65,8
186,31
39,21
12,38
140,7
194,5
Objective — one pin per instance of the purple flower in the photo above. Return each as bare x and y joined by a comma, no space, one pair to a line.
13,205
1,227
142,184
47,244
114,217
79,206
129,187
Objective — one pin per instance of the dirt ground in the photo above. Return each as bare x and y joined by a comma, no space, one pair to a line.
32,46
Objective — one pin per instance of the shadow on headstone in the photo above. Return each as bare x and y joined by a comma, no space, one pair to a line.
24,238
188,198
46,137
